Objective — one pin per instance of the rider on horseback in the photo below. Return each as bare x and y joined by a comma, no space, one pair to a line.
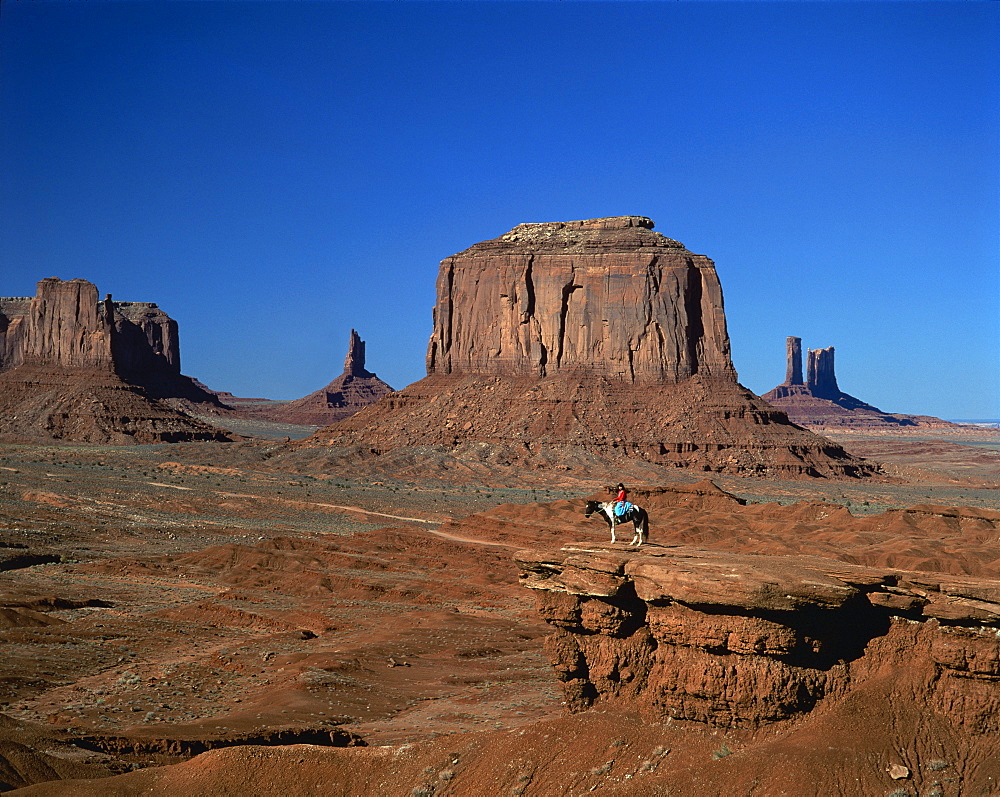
621,501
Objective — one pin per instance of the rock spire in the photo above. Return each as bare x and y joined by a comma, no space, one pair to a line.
353,390
819,402
793,374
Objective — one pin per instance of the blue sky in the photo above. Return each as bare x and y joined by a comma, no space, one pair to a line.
274,174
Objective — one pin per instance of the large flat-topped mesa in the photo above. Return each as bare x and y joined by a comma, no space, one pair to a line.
608,296
590,344
76,367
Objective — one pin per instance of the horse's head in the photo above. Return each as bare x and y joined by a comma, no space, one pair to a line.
591,508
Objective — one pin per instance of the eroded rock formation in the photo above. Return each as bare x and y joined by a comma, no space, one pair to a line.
743,640
76,367
597,339
353,390
793,373
606,296
819,402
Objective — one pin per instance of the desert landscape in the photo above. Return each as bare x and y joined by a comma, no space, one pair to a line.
200,596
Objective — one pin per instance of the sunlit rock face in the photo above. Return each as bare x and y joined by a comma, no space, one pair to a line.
587,343
76,367
608,296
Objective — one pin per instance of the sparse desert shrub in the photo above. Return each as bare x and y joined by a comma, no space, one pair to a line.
937,765
603,769
722,752
446,774
426,790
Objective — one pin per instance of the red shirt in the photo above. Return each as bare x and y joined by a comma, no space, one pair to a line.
622,495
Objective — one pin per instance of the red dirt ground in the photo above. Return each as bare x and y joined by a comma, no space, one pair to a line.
351,627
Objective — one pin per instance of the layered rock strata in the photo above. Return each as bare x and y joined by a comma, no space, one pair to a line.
742,640
605,296
75,367
819,402
353,390
588,339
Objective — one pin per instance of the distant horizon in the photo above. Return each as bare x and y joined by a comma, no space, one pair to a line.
273,175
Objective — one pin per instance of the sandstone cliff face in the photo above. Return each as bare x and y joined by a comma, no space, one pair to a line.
353,390
13,310
143,329
606,296
742,640
587,343
63,325
75,367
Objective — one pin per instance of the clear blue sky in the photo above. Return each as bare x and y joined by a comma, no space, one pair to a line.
276,173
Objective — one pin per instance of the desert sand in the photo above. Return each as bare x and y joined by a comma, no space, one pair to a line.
229,617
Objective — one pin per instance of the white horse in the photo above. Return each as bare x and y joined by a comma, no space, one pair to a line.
636,516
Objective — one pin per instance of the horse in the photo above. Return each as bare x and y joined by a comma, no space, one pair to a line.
636,516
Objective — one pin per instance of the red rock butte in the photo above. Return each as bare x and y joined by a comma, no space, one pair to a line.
607,296
596,339
79,368
818,402
354,389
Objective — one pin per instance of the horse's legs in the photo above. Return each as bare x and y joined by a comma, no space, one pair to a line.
613,539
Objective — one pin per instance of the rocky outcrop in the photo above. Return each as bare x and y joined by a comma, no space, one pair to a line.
606,296
143,330
587,342
353,390
820,403
822,379
64,325
793,373
742,640
73,366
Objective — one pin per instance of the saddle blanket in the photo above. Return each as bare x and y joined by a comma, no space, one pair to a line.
622,509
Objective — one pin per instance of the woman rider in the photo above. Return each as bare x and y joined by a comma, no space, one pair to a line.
621,500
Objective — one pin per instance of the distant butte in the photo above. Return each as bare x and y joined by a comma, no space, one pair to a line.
73,367
353,390
818,402
587,341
